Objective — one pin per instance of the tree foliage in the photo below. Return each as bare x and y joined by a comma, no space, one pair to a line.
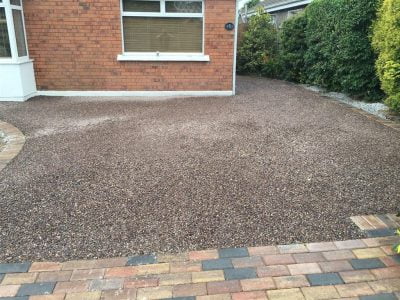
386,42
259,48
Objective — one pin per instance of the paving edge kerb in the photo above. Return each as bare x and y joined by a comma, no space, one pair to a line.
14,139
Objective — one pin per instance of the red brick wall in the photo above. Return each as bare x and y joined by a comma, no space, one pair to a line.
75,45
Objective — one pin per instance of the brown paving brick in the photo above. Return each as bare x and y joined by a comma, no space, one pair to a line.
286,282
388,250
71,287
381,241
203,255
208,276
121,272
286,294
140,282
320,292
78,264
215,297
154,293
335,266
356,276
308,257
110,262
255,284
87,274
222,287
175,278
152,269
389,261
307,268
261,251
293,248
338,255
350,244
187,266
8,290
362,223
368,253
84,296
386,285
126,294
375,222
19,278
54,276
247,262
279,259
385,273
354,289
193,289
275,270
48,297
256,295
45,267
167,258
319,247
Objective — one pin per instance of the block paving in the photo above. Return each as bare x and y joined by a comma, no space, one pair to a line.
354,269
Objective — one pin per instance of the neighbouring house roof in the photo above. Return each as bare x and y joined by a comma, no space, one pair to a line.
275,5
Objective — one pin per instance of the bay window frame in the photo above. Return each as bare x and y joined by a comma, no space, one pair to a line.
163,56
15,58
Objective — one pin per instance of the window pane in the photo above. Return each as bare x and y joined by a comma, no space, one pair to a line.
141,6
183,7
143,34
5,50
19,32
15,2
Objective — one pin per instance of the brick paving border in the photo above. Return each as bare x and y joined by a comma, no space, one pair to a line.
353,269
15,140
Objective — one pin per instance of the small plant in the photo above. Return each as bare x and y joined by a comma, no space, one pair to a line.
396,247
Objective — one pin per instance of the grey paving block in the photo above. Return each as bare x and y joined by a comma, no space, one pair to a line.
216,264
15,298
1,277
381,232
396,258
389,222
15,268
386,296
369,263
180,298
241,273
141,260
233,252
106,284
30,289
324,279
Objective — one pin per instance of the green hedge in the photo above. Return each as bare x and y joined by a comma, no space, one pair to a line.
293,49
339,54
386,41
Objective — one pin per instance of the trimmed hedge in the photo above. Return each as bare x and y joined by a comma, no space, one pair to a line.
293,49
386,41
339,54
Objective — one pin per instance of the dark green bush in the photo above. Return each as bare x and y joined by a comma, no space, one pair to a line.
386,41
339,55
293,49
259,49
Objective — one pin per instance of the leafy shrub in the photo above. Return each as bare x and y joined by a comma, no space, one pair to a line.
339,55
259,48
293,48
386,41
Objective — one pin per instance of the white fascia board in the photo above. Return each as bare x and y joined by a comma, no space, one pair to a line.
286,6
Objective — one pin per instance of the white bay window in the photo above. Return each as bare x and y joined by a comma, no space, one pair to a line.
17,80
163,30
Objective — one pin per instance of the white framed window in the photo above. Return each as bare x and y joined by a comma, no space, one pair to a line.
13,44
162,30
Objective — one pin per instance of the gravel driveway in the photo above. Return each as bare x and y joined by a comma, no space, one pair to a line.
274,164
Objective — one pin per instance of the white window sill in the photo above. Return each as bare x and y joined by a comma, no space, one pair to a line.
19,61
162,57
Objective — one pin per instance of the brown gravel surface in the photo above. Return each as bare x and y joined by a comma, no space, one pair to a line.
107,177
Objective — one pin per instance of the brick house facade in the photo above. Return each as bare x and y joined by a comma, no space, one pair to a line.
77,48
